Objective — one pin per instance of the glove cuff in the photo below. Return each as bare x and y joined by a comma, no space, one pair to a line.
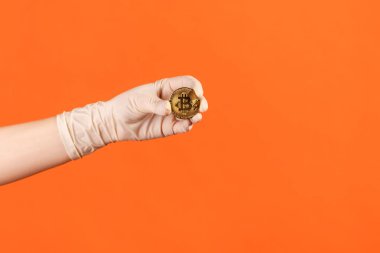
86,129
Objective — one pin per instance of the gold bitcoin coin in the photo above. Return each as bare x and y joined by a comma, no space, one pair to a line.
185,103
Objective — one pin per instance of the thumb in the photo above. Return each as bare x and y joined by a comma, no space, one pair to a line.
156,105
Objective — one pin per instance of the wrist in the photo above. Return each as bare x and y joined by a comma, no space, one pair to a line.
86,129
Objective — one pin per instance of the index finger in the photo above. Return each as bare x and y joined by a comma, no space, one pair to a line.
166,86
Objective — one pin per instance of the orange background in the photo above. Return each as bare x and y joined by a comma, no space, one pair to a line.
287,158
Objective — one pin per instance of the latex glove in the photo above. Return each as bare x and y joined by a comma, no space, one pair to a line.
141,113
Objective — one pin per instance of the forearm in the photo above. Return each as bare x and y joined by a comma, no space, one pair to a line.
29,148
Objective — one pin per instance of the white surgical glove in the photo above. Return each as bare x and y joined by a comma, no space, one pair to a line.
141,113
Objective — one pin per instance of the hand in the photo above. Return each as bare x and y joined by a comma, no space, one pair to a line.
144,112
141,113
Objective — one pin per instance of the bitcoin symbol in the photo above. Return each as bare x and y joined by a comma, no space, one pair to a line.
184,103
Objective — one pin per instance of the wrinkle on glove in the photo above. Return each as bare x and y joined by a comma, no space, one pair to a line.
85,129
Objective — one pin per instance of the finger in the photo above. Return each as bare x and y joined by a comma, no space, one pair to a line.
166,86
163,108
197,117
154,105
181,126
167,125
204,104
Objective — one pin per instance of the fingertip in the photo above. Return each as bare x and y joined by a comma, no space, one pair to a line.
197,117
161,107
204,105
